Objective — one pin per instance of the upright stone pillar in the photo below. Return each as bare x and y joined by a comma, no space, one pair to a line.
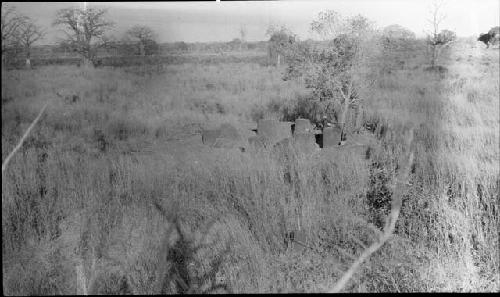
269,128
302,126
305,142
331,137
285,130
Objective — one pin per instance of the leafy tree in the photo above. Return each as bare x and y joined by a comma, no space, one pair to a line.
445,37
328,24
181,46
396,31
280,42
494,34
235,44
146,39
490,38
396,37
84,30
336,74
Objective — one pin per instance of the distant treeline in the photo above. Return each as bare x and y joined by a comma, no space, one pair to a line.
126,49
123,54
122,61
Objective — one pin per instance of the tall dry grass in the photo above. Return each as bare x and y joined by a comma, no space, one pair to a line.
116,184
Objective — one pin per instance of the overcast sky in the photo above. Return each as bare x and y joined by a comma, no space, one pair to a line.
221,21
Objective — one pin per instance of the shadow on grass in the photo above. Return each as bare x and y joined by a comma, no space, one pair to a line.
183,254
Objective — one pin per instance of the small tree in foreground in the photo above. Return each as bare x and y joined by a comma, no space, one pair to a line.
84,30
336,74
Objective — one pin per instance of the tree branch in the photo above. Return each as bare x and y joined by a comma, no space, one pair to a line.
391,219
21,141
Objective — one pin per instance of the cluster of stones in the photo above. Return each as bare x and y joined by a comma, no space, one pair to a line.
301,134
272,133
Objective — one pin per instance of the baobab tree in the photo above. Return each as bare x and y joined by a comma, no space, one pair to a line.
145,37
84,30
29,34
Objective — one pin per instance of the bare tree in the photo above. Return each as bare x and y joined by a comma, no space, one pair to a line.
84,29
438,39
145,37
243,35
29,34
11,25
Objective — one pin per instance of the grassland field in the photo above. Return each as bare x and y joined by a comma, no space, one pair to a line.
117,189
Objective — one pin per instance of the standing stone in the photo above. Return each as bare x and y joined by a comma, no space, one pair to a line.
331,137
269,129
285,130
302,125
305,142
282,148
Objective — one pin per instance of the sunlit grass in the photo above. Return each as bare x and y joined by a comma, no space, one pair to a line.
85,185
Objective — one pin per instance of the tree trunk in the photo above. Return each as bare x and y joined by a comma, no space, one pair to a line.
28,59
358,112
434,56
342,122
4,69
4,63
86,62
142,50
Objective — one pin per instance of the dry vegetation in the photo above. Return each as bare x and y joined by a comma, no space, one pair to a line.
115,188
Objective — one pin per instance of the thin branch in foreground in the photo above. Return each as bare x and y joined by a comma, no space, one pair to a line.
390,223
6,161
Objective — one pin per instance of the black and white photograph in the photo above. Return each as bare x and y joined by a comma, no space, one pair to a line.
263,147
